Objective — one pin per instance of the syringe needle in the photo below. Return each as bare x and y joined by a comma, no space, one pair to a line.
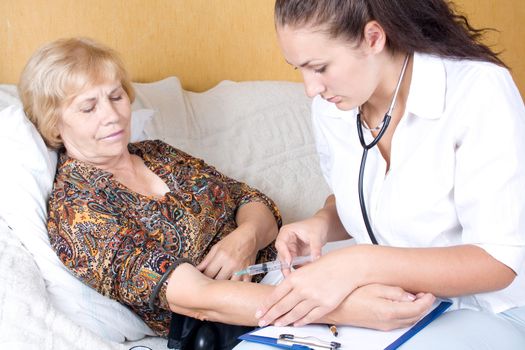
272,266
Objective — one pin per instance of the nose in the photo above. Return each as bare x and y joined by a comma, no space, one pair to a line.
313,84
110,113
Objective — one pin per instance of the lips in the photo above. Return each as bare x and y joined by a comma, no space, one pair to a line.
333,99
115,134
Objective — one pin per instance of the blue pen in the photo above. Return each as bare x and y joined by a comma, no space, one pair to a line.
272,342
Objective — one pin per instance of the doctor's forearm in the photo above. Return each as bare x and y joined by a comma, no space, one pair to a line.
192,294
445,272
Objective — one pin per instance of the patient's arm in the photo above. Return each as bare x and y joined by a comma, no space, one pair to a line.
380,307
375,306
193,294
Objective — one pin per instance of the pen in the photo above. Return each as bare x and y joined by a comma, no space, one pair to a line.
272,266
311,341
333,329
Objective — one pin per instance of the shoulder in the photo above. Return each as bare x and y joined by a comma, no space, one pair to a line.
74,175
466,84
480,95
150,147
482,78
462,73
159,150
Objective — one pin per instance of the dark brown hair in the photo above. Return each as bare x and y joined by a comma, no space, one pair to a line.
426,26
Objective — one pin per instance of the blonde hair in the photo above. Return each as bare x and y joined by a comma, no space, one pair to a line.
57,72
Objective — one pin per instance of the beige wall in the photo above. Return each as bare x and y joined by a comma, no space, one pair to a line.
508,17
200,41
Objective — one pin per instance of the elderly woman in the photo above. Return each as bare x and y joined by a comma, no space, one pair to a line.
123,216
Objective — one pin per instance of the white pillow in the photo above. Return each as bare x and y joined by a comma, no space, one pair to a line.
140,118
259,132
25,184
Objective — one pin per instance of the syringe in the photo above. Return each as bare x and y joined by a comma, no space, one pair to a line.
272,266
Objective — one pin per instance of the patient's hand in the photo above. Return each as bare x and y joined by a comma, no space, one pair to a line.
381,307
234,252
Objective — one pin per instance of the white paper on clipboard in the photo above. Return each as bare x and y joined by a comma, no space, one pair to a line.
349,337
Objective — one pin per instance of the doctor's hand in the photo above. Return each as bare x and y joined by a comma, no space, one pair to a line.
381,307
232,253
306,237
310,292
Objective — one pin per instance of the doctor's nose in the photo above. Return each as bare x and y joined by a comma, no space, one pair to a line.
313,86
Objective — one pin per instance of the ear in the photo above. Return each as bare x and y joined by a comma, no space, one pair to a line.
374,37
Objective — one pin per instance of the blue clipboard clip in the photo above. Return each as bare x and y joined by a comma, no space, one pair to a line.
310,342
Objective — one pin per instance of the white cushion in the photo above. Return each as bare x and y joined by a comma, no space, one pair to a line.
259,132
27,318
140,118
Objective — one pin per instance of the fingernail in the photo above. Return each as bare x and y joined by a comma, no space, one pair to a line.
278,324
262,323
411,297
258,314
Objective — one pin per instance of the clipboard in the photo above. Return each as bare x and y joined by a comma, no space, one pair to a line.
373,339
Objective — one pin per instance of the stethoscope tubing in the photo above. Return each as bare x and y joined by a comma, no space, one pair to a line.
366,147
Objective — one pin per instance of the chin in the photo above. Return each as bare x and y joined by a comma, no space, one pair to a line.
344,106
115,149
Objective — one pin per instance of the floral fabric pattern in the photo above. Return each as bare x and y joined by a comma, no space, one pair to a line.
120,242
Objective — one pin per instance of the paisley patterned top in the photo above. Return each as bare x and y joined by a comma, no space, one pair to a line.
120,242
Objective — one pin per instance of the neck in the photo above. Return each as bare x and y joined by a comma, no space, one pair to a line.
114,165
379,103
123,166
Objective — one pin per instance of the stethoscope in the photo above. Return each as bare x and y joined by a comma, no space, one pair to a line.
366,147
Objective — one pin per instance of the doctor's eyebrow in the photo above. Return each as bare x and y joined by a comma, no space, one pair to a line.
305,64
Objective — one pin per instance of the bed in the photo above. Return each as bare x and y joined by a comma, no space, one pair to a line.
210,81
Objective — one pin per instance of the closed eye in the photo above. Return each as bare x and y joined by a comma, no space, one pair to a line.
87,110
320,70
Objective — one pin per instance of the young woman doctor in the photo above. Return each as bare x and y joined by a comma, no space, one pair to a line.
420,131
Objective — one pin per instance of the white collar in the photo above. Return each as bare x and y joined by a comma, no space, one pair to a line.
426,98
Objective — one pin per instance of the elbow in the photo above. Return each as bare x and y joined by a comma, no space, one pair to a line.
503,276
186,292
507,277
192,294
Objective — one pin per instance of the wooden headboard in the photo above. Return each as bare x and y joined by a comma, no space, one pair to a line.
200,41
